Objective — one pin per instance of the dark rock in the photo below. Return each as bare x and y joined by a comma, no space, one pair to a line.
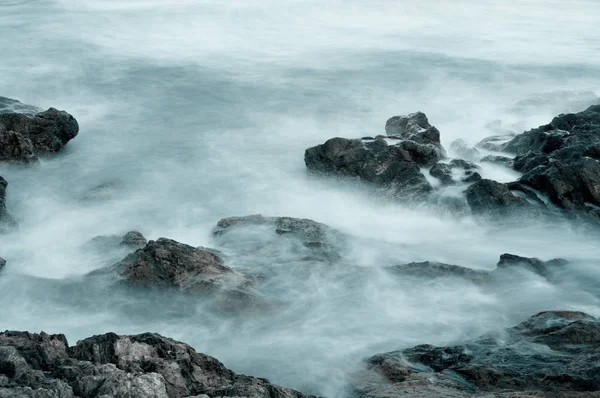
471,176
491,197
443,172
460,148
24,136
552,354
165,263
533,264
134,239
2,262
7,223
414,127
109,365
463,164
500,160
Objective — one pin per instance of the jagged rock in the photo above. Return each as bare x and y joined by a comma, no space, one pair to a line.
7,223
24,136
491,197
552,354
471,176
460,148
109,365
414,127
391,163
500,160
165,263
134,239
443,172
389,167
533,264
315,241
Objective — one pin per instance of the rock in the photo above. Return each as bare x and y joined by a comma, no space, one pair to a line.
494,143
414,127
313,240
24,136
2,262
471,176
433,270
391,168
493,198
134,239
443,172
7,223
499,160
165,264
109,365
463,164
551,354
460,148
390,163
532,264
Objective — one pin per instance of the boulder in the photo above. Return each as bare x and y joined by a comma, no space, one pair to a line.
7,223
532,264
390,163
24,136
493,198
499,160
460,169
168,264
551,354
109,365
443,172
134,239
434,270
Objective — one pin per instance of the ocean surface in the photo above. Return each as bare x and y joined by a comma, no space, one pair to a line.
191,111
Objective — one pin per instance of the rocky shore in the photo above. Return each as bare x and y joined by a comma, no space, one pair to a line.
552,354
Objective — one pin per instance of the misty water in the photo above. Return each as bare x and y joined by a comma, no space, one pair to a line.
192,111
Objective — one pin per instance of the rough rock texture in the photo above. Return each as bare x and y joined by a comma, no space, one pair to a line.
499,160
139,366
7,223
391,163
165,263
561,160
462,169
552,354
134,239
491,197
24,136
313,240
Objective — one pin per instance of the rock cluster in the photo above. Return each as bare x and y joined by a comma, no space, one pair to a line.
552,354
108,365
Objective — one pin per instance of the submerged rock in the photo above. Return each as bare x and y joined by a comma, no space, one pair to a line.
433,270
312,240
109,365
7,222
2,262
24,136
460,148
552,354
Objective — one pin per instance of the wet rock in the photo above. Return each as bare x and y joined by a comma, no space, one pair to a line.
414,127
471,176
463,164
134,239
460,148
310,239
532,264
7,222
494,143
499,160
109,365
443,172
433,270
552,354
25,136
493,198
165,263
